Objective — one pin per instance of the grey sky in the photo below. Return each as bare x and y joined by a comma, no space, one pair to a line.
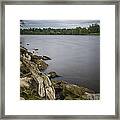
59,23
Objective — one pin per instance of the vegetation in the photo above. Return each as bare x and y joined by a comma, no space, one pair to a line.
93,29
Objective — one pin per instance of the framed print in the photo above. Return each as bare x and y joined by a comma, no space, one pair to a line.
60,60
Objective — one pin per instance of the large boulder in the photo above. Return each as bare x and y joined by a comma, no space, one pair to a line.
33,80
45,87
67,91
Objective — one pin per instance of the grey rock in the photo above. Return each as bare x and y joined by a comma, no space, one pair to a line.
45,88
92,96
46,58
52,74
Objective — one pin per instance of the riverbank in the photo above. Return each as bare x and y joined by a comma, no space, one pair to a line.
37,85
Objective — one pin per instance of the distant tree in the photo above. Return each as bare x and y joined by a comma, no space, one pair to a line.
92,29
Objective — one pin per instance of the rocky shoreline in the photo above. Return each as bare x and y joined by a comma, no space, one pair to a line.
35,84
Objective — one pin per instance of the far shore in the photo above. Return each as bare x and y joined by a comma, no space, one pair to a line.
95,34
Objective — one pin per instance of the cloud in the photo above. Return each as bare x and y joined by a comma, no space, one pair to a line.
59,23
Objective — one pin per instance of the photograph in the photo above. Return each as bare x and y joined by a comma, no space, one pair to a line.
59,59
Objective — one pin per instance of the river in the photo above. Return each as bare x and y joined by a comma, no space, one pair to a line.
75,57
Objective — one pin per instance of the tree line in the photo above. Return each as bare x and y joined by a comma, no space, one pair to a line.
93,29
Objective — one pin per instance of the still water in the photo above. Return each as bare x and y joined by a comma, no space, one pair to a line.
74,57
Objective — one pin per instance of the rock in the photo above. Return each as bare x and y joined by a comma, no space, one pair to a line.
34,57
73,91
23,69
46,58
30,69
45,87
39,62
40,57
21,64
67,91
25,82
90,96
28,56
21,98
41,65
29,88
35,49
64,90
23,50
52,75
